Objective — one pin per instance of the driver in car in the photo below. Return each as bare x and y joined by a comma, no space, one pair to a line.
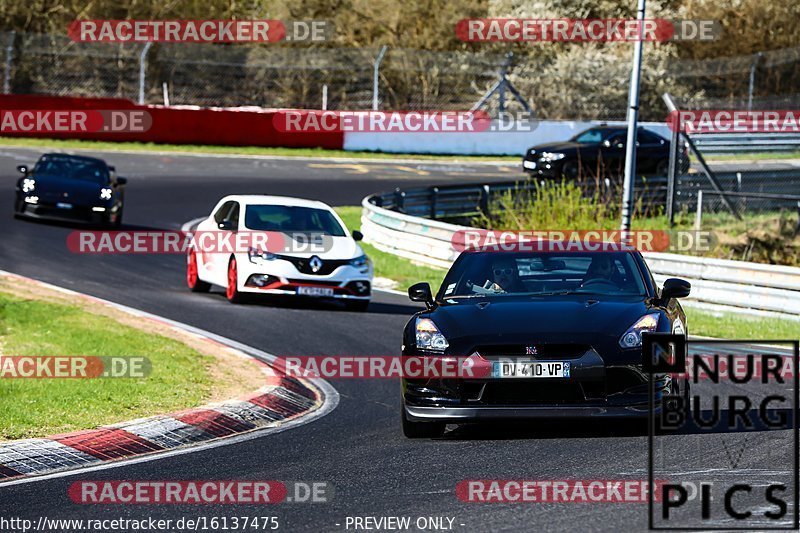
504,277
600,270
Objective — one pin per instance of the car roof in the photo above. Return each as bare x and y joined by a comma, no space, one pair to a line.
57,155
606,127
263,199
543,246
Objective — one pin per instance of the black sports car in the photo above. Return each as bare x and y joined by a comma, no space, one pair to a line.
561,332
600,151
71,188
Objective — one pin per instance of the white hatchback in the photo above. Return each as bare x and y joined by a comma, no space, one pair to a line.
254,244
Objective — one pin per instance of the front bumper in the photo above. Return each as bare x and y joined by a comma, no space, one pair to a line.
594,388
541,168
467,414
281,278
46,211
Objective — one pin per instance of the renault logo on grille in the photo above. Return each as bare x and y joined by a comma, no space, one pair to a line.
531,350
315,264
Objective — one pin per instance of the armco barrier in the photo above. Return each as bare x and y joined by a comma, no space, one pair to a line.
179,125
735,286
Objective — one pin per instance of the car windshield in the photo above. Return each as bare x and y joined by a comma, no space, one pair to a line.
292,219
497,275
72,168
594,135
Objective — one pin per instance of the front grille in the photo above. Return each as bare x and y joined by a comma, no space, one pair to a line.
302,264
543,351
45,210
532,393
323,283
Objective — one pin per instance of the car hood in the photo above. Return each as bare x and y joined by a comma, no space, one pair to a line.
567,319
51,188
334,248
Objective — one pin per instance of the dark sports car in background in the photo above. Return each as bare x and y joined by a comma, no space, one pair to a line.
71,188
560,331
600,150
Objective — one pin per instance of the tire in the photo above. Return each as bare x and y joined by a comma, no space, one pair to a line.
113,222
420,430
662,167
193,280
570,170
231,290
357,305
118,221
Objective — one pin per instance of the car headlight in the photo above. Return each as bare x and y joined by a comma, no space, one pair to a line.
361,263
28,185
633,337
552,156
258,257
105,193
429,337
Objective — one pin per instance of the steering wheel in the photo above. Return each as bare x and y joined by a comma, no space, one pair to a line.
600,281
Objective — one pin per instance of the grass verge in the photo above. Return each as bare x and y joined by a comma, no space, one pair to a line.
182,375
390,266
74,144
730,326
700,322
762,237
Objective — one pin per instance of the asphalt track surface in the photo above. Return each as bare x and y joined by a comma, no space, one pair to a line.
358,448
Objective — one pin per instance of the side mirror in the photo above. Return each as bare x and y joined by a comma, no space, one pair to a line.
227,225
121,180
357,235
675,288
421,292
112,168
23,169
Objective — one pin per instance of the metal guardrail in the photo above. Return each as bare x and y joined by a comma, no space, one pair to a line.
460,201
726,143
736,286
454,202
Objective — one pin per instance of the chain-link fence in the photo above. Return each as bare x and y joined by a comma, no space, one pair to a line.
582,83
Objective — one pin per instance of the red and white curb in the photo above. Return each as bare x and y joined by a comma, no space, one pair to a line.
279,405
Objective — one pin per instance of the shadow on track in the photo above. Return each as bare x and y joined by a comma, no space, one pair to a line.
290,302
603,428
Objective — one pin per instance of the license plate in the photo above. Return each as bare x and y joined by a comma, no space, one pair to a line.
531,369
529,164
314,291
62,205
